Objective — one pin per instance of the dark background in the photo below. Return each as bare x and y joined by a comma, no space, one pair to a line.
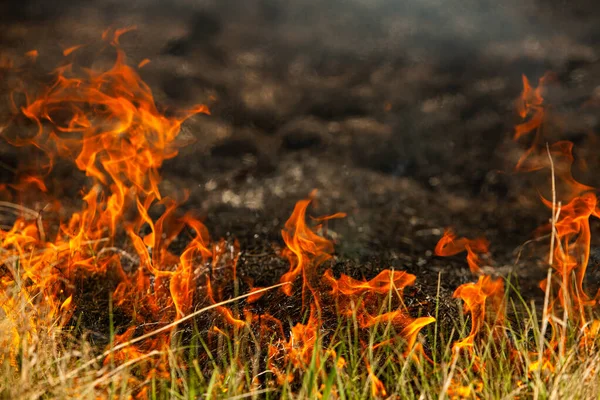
399,112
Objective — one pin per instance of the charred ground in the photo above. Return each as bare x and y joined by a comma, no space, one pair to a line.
400,116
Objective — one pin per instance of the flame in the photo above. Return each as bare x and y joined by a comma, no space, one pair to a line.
460,391
530,107
305,249
299,349
578,203
449,245
572,206
70,50
571,255
377,387
485,301
349,291
383,283
32,55
303,340
143,63
107,123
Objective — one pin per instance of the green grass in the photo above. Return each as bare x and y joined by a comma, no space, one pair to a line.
234,365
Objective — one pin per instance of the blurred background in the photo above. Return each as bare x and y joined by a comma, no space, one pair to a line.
399,112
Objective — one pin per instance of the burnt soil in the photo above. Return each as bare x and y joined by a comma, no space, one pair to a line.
399,113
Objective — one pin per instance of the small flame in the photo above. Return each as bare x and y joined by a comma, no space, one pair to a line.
144,62
449,245
66,305
32,55
485,301
377,387
531,108
306,250
70,50
383,283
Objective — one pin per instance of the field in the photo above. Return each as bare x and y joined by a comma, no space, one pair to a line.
273,200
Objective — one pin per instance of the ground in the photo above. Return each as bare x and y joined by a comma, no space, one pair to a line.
399,113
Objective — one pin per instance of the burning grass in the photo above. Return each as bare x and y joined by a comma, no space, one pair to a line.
343,362
181,322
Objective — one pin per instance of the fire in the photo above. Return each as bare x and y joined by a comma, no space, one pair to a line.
349,292
484,300
383,283
449,245
530,107
359,299
570,246
107,123
305,249
377,387
572,211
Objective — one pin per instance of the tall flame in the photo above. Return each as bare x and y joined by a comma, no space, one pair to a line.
107,123
305,249
577,203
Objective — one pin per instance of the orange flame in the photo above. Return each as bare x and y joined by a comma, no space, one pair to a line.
306,250
571,254
347,291
449,245
383,283
32,55
143,63
377,387
530,107
485,301
108,123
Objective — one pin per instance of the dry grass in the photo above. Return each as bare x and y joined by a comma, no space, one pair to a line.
56,365
526,361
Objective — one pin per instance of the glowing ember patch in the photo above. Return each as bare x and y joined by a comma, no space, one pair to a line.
32,55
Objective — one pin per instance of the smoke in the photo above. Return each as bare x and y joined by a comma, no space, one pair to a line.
438,63
441,30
